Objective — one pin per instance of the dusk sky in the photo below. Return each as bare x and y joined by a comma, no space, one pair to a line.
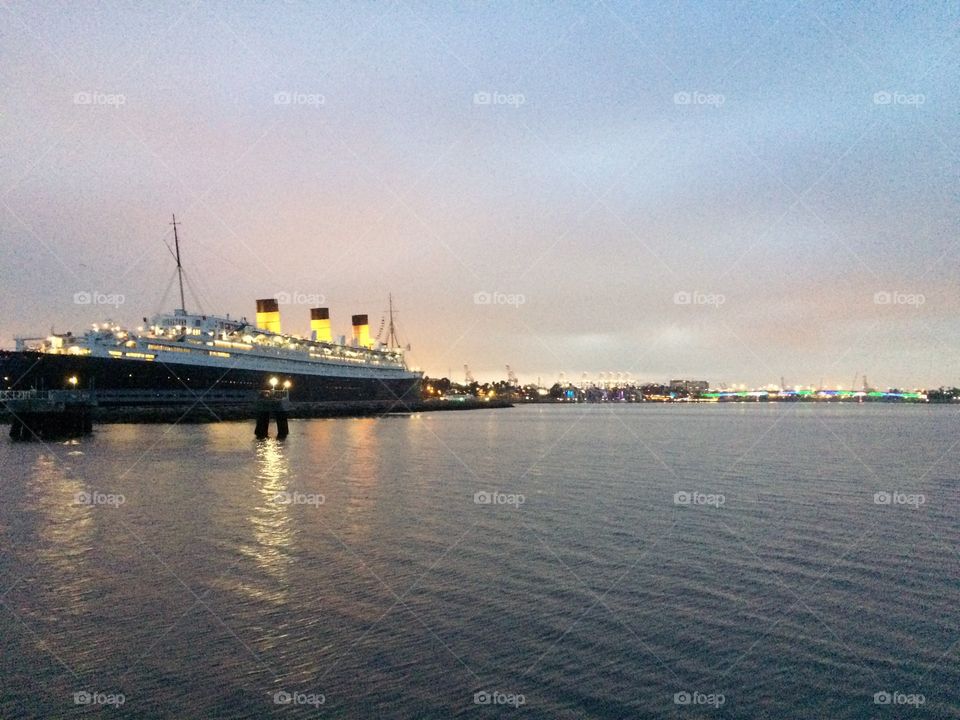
737,192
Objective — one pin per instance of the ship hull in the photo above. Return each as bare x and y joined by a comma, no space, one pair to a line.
113,378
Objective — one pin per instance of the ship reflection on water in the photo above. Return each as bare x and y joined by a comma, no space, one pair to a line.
66,529
361,460
270,521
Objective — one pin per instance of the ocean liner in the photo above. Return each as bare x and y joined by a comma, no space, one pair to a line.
182,356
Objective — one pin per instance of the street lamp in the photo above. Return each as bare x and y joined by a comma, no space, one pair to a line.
273,382
73,381
286,384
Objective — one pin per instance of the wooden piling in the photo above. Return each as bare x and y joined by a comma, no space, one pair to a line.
283,428
263,425
277,404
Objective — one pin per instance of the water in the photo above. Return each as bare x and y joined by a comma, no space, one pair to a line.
792,594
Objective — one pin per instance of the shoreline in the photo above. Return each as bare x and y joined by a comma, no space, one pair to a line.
213,413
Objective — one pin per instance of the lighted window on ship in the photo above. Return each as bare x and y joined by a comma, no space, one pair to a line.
169,348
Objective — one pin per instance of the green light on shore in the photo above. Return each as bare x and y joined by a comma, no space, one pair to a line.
813,393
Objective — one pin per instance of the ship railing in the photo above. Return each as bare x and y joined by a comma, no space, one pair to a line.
149,397
131,397
6,395
49,395
352,356
275,394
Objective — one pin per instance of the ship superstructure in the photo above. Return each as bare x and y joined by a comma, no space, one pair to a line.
181,338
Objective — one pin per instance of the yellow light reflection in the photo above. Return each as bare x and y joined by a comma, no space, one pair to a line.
66,528
270,520
363,469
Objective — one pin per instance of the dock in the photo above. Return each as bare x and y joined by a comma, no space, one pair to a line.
49,414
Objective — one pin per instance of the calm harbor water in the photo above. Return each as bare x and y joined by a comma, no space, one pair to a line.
738,561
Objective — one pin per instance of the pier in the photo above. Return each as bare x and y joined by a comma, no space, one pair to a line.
49,414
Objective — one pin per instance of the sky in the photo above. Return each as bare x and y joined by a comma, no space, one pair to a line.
738,192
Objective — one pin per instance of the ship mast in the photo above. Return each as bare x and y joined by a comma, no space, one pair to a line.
176,244
392,342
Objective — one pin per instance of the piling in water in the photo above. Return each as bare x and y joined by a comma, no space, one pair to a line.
49,415
273,403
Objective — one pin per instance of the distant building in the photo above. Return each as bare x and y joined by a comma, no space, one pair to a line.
689,386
